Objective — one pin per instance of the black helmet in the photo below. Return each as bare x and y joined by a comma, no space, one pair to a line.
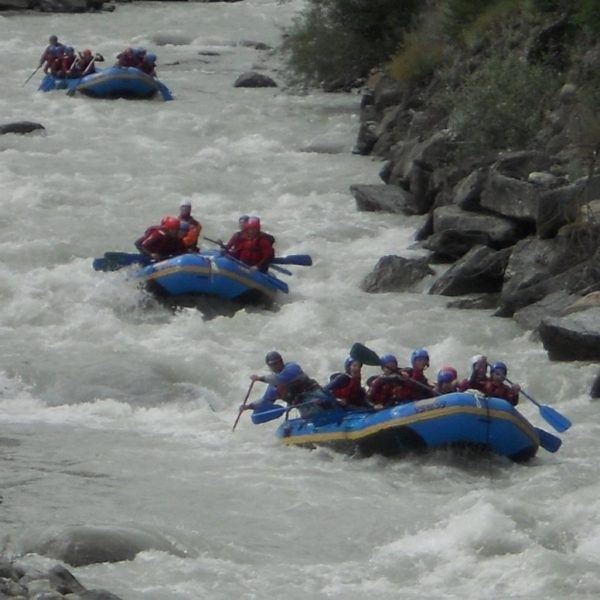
273,357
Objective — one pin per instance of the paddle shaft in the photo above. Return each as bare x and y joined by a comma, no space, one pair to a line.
29,78
72,91
243,406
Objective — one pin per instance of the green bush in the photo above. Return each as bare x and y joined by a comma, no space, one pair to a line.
344,39
501,105
587,14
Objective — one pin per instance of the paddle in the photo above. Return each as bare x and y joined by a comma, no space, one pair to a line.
243,405
29,78
112,261
304,260
73,89
280,269
165,91
48,83
548,442
367,356
552,416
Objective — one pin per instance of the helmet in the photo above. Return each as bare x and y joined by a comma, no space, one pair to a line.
446,375
252,223
499,366
87,52
419,353
53,39
170,223
387,358
150,57
139,51
243,219
186,203
477,359
348,363
69,50
273,357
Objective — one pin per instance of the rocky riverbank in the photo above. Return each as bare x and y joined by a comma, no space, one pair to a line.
25,583
513,230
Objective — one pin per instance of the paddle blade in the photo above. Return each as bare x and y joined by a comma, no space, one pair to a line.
554,418
47,84
548,442
304,260
113,261
364,355
262,416
165,92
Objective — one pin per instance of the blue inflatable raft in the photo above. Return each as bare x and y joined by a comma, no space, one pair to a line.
210,273
111,83
464,420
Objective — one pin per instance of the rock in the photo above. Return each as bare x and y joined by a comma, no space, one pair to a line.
395,274
481,270
595,389
510,197
449,245
385,198
467,194
574,337
252,79
21,127
79,546
500,231
552,305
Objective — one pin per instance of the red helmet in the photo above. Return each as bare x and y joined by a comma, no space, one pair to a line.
170,223
87,52
252,223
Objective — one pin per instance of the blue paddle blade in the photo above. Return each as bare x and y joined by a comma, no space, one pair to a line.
165,91
548,442
303,260
47,84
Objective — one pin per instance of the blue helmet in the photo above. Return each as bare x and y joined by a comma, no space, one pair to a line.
387,358
419,353
150,57
273,357
139,51
446,375
348,363
69,50
499,366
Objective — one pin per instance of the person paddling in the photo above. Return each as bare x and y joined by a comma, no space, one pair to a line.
496,386
287,381
190,239
347,386
50,52
162,241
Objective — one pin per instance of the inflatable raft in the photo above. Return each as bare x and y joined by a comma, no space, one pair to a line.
111,83
464,420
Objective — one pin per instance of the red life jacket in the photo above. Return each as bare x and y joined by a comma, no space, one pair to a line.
499,390
353,392
253,251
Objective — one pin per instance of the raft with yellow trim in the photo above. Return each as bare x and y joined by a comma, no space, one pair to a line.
211,273
464,420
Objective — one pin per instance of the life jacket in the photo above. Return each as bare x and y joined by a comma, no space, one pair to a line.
416,391
253,251
353,392
500,390
190,239
156,241
290,392
387,390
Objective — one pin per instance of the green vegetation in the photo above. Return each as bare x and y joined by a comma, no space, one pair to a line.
344,39
501,105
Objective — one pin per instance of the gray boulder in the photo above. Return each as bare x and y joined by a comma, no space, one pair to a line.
382,197
252,79
481,270
395,274
574,337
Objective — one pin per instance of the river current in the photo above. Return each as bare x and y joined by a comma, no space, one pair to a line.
115,411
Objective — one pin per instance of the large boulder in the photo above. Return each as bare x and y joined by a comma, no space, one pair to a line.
500,231
481,270
21,127
382,197
395,274
252,79
573,337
